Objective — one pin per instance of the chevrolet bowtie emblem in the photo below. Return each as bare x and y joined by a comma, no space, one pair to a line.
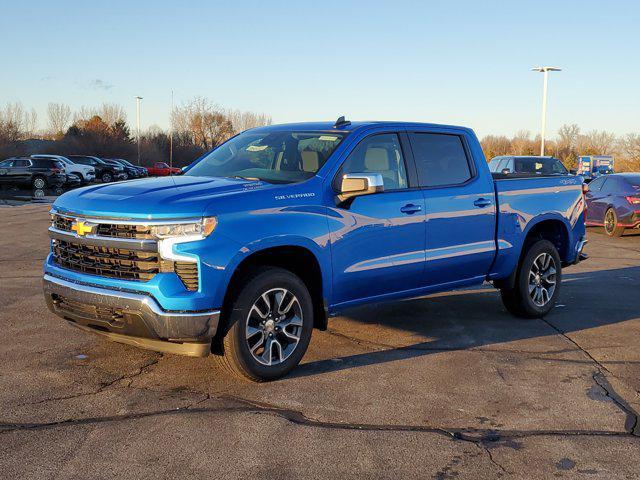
82,228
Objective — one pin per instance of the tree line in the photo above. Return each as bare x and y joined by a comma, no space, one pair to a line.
199,125
568,145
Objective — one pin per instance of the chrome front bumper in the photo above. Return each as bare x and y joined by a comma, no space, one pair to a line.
131,318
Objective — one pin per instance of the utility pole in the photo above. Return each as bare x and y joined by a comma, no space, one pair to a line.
545,71
171,133
138,98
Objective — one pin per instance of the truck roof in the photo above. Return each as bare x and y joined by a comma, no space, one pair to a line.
352,126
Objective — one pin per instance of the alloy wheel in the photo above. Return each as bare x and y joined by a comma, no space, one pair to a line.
39,183
274,326
542,279
610,221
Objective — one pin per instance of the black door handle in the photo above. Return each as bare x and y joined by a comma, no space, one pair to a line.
482,202
410,208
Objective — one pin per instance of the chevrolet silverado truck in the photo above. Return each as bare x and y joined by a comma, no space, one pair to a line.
281,227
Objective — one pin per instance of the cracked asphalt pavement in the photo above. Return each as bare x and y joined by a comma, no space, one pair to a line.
446,386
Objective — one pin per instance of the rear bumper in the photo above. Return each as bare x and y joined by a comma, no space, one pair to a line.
131,318
580,255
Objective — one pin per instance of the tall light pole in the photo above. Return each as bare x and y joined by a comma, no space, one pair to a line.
546,71
138,98
171,133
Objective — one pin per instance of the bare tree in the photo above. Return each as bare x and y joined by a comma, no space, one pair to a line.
112,113
629,146
16,123
596,142
59,117
494,146
244,120
521,143
203,122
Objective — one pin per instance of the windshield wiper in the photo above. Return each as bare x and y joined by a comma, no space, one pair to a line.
253,179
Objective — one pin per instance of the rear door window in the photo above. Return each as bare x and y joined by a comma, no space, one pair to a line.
441,159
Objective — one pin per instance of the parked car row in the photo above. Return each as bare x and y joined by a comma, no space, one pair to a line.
59,171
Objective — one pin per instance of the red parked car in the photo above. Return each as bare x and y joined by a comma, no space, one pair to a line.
161,169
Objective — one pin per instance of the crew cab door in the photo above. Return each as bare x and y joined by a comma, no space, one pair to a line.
460,208
377,240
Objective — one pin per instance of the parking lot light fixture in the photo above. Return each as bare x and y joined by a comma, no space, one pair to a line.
546,71
138,98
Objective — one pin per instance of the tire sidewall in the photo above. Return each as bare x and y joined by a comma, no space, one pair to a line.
106,177
267,280
530,308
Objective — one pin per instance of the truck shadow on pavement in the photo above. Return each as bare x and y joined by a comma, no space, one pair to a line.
468,319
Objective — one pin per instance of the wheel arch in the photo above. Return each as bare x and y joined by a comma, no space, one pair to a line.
553,228
296,258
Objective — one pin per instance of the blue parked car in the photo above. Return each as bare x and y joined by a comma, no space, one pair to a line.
613,202
283,226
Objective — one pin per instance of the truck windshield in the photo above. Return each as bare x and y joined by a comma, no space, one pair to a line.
276,157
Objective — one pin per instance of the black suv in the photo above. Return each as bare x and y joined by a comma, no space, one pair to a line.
134,171
104,171
129,172
38,173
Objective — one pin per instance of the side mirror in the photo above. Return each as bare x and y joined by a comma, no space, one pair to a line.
357,184
505,171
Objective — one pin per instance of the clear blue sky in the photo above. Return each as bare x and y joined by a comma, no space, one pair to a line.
462,62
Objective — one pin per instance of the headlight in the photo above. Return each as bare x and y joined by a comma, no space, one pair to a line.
174,233
202,229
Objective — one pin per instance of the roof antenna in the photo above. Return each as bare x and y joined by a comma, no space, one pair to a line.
341,122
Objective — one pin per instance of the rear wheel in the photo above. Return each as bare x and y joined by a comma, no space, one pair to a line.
537,282
39,183
611,227
107,177
271,324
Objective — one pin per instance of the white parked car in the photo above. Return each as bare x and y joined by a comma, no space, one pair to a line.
86,173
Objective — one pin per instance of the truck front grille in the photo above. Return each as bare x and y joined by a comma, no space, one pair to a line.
106,229
106,261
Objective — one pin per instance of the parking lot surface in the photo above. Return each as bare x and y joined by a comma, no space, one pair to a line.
446,386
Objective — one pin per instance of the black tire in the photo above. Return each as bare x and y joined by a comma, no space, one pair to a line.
125,176
238,358
611,226
523,302
39,183
83,180
106,177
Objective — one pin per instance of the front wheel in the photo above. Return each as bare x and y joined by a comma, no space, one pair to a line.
611,227
537,282
106,177
271,323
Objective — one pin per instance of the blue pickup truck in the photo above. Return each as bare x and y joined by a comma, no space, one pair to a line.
267,236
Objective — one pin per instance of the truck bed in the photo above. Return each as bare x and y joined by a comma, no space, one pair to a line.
526,200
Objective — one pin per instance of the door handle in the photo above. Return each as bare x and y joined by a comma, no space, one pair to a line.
482,202
410,208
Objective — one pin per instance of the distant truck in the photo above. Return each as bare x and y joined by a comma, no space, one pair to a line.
161,169
263,238
592,166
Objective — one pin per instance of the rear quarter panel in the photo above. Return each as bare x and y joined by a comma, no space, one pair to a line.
525,202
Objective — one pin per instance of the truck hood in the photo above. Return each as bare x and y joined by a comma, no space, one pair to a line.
158,198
